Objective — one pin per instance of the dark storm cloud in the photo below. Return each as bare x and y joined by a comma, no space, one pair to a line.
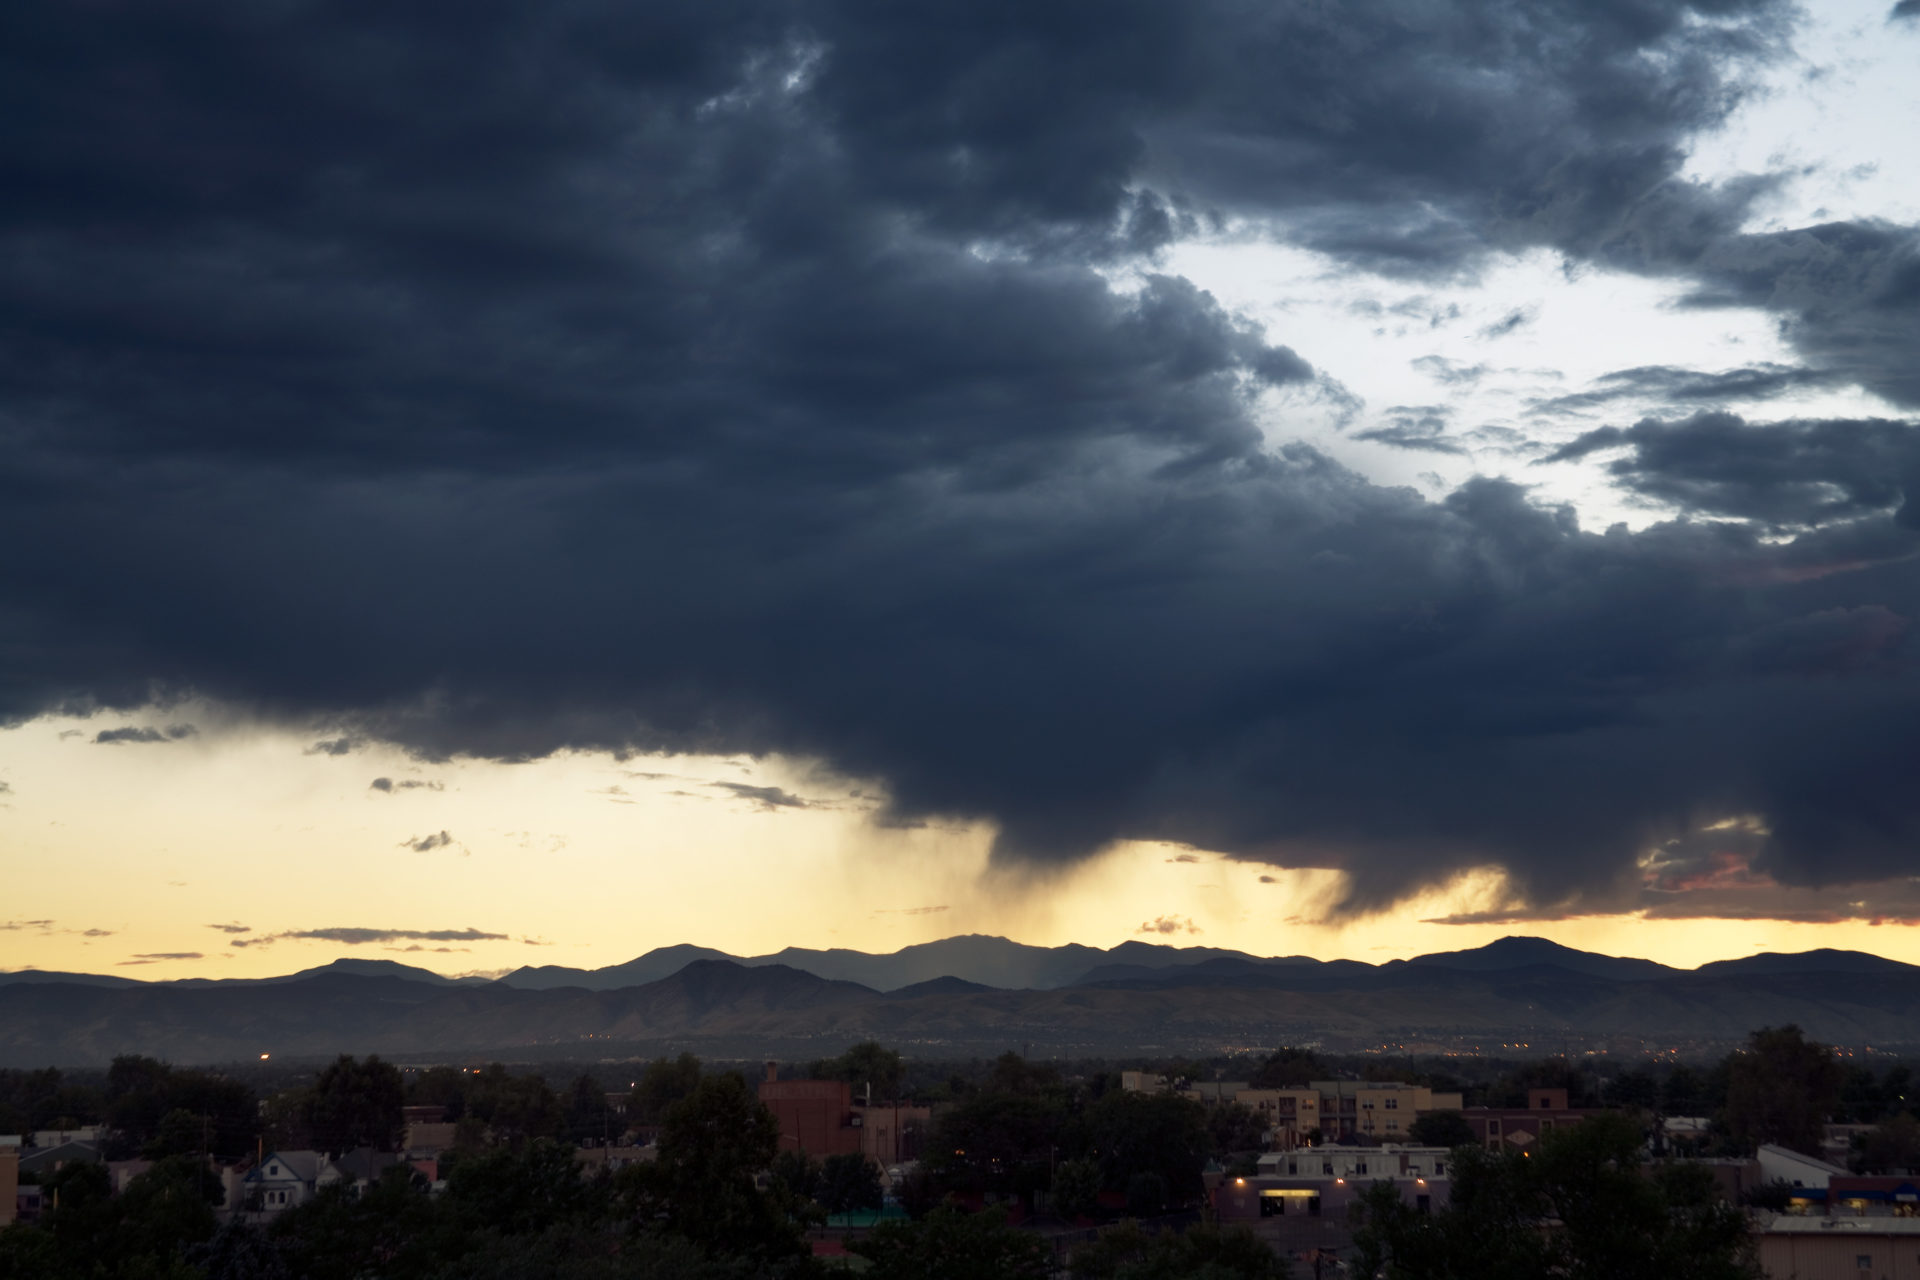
144,733
1909,9
1787,474
335,747
732,376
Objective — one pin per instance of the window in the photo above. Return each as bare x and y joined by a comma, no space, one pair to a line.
1293,1166
1361,1167
1326,1166
1439,1168
1864,1262
1393,1104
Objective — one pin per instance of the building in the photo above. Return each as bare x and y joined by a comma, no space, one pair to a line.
1501,1127
1325,1182
9,1183
816,1116
1338,1110
1820,1248
282,1180
821,1118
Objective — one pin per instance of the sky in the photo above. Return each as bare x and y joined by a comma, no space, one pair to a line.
536,483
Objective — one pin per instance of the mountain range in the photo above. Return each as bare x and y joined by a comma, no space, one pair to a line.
1515,996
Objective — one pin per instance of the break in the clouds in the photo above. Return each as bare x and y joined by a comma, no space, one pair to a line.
360,936
810,378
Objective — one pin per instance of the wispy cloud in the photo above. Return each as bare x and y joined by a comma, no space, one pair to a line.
389,785
428,843
364,935
232,928
159,957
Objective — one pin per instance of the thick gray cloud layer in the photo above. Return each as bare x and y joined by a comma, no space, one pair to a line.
742,376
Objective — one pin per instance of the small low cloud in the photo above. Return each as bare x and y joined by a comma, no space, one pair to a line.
232,928
911,911
16,926
388,786
6,788
428,843
159,957
344,746
363,935
127,733
766,798
538,942
435,950
1269,880
1169,925
98,933
1516,319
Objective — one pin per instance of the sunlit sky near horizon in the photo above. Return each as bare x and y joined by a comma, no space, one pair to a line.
766,520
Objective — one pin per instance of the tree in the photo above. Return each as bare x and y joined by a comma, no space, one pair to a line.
1076,1188
1290,1068
1893,1147
849,1182
663,1083
1162,1135
514,1108
1442,1129
1232,1127
1617,1221
588,1117
712,1144
1125,1252
866,1063
949,1244
357,1104
1781,1088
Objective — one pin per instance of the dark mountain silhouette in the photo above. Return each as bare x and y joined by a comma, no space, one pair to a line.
1532,995
1523,953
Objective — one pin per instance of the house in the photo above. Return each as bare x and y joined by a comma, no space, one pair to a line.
429,1137
89,1134
356,1170
9,1183
43,1161
1343,1110
282,1180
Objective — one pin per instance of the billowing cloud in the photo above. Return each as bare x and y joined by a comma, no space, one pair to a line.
888,439
1787,474
144,733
